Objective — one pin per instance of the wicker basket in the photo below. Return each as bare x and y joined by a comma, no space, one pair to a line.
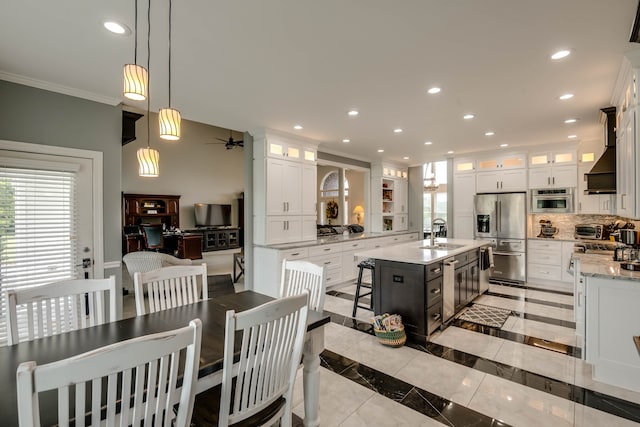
395,338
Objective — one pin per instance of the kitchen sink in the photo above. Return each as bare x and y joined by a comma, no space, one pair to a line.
442,246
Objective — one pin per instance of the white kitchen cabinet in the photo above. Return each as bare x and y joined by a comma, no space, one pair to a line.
464,188
284,189
389,204
464,166
544,260
283,229
501,181
553,177
612,319
309,180
501,162
338,258
400,222
400,197
548,158
626,101
350,260
549,260
627,161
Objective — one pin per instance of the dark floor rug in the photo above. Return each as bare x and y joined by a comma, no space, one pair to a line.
220,284
485,315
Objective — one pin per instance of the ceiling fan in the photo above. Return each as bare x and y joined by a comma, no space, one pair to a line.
228,143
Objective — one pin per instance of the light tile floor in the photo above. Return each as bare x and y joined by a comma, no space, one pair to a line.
347,403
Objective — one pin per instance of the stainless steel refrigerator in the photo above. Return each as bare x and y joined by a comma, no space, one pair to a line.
501,219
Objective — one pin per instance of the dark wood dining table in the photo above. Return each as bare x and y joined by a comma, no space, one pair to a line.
212,314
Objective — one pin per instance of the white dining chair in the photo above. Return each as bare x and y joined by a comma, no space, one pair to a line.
257,390
170,287
58,307
142,377
298,276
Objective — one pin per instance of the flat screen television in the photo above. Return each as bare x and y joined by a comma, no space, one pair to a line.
212,215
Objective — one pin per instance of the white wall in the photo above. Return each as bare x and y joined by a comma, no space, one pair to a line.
198,172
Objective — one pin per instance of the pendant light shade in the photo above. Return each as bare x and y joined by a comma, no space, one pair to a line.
136,82
169,119
148,159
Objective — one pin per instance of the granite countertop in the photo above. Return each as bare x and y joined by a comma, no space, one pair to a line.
413,253
596,265
336,238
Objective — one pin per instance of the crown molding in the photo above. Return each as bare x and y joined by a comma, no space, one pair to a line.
52,87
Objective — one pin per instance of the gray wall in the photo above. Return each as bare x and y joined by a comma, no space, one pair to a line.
193,168
37,116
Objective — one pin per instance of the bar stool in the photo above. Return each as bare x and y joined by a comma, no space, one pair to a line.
369,264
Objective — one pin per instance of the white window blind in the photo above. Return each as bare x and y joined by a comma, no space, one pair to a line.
37,229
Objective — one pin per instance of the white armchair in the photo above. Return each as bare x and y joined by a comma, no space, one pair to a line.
143,261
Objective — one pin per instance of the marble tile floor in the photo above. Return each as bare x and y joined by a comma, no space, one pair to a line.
495,377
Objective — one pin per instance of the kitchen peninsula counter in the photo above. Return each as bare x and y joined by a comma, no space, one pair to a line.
336,238
607,318
596,265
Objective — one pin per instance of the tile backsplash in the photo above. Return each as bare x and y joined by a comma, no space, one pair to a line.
566,222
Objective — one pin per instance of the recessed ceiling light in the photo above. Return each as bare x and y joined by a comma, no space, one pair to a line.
561,54
504,145
566,96
571,120
434,90
381,151
116,27
397,130
572,136
297,127
468,116
449,152
353,112
405,158
490,133
428,143
346,140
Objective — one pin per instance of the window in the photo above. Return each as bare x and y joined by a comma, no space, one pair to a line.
37,229
440,194
329,192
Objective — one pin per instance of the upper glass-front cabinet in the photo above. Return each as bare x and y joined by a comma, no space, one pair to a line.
289,151
565,157
510,161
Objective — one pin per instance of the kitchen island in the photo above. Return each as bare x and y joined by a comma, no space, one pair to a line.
607,319
427,284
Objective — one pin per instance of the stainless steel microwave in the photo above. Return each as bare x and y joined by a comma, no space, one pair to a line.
552,200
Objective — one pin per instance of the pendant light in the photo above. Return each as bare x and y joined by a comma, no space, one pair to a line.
148,158
136,78
169,118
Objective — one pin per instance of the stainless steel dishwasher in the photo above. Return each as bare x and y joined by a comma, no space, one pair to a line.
448,289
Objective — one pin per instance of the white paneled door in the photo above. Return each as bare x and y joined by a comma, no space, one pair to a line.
49,221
